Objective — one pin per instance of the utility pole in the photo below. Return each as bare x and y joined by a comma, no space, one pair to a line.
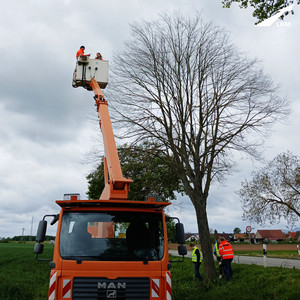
31,228
23,229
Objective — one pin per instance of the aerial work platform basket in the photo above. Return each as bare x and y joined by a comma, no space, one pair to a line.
87,68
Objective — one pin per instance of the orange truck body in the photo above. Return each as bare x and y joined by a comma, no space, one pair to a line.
83,278
111,248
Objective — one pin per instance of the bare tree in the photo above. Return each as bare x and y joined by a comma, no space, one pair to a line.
181,83
273,192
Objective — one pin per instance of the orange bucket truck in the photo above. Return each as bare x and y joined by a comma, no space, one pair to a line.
111,248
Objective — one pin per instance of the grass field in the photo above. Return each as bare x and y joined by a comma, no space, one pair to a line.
22,277
249,282
274,254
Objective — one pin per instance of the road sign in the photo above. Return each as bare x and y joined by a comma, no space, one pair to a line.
248,229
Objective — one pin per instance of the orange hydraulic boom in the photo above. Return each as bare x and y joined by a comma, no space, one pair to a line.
116,185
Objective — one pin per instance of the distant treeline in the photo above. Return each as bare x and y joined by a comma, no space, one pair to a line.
24,238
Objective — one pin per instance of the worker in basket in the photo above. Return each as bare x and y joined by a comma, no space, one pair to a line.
99,56
80,52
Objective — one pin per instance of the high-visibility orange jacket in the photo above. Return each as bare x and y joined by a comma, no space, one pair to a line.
225,250
79,52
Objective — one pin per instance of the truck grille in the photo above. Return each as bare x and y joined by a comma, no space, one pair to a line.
102,288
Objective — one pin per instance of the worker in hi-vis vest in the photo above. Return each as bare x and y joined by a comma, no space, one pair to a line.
218,257
226,252
197,259
81,52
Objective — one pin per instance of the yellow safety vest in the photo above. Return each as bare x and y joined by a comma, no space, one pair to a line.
194,255
217,250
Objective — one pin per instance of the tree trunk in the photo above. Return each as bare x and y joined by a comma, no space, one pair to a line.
205,240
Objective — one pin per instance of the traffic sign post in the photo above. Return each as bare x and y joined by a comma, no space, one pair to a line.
265,254
248,230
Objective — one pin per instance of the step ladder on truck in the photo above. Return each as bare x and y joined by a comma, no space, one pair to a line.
110,248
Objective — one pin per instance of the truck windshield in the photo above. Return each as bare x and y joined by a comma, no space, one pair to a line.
112,236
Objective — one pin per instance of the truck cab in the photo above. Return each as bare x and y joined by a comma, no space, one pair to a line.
110,250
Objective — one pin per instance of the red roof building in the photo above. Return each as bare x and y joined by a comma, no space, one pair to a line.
242,237
269,235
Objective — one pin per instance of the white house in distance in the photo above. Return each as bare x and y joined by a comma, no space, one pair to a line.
191,237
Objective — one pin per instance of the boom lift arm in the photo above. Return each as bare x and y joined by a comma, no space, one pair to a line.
92,74
116,185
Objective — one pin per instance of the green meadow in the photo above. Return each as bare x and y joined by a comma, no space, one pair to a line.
249,282
23,277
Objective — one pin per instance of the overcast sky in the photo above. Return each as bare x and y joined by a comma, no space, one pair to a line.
46,126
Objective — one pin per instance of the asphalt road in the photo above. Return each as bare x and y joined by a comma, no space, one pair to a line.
248,260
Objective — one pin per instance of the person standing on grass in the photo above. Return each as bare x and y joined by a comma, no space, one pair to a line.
218,257
197,260
226,252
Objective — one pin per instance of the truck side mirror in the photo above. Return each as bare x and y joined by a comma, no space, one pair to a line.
38,248
55,219
41,232
182,250
41,235
180,235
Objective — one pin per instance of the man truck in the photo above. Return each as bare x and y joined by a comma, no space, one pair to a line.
110,248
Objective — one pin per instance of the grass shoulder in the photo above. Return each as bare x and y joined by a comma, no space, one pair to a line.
249,282
271,254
